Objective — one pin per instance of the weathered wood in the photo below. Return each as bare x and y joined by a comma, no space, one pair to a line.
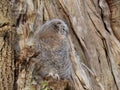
6,47
6,59
94,41
92,37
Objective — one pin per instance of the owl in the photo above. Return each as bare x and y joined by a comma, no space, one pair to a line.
52,43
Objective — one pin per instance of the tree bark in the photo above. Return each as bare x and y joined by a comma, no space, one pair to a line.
94,40
7,34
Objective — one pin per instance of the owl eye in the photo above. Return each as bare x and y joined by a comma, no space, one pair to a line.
55,26
63,29
58,23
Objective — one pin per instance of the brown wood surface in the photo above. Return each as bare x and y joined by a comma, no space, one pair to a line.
94,40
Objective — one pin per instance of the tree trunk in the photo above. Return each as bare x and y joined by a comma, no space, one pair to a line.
7,30
94,40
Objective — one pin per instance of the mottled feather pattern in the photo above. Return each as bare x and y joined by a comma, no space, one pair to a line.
52,42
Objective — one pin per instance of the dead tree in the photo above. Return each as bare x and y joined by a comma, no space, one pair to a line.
94,42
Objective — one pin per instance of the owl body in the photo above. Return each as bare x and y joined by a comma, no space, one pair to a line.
52,42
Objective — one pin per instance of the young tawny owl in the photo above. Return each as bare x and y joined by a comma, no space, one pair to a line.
52,43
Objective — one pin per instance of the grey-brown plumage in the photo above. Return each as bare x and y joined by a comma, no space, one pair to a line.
52,43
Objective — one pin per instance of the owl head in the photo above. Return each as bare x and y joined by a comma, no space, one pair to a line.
57,25
60,26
